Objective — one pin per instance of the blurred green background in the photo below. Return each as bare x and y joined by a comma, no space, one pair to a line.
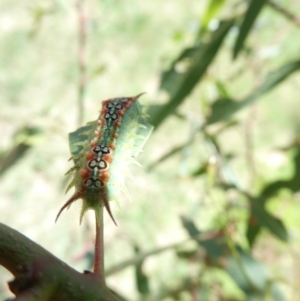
214,210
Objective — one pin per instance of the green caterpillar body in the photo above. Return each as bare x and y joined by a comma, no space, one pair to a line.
101,161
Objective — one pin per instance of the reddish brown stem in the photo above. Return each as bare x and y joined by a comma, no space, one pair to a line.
99,246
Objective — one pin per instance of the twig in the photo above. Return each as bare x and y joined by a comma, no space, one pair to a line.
287,14
82,37
99,246
250,161
142,256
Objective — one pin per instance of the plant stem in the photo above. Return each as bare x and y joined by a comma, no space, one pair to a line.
82,37
99,246
289,15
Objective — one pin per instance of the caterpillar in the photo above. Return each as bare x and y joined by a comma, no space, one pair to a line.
101,160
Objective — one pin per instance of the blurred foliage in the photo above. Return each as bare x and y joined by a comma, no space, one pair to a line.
218,210
23,140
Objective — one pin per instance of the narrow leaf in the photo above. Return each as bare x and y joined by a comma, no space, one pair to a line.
201,170
249,275
224,108
172,78
24,139
142,281
212,9
253,229
252,277
201,61
215,247
253,10
169,154
293,183
190,226
265,219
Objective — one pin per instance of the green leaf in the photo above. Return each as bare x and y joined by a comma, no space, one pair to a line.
222,90
24,139
224,108
212,9
252,277
215,247
265,219
174,76
186,254
190,226
201,170
259,216
200,62
272,188
253,10
292,184
169,154
253,229
142,281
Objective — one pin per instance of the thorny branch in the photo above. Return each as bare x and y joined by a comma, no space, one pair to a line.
40,276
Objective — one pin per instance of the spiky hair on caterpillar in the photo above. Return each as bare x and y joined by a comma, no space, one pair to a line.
101,160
